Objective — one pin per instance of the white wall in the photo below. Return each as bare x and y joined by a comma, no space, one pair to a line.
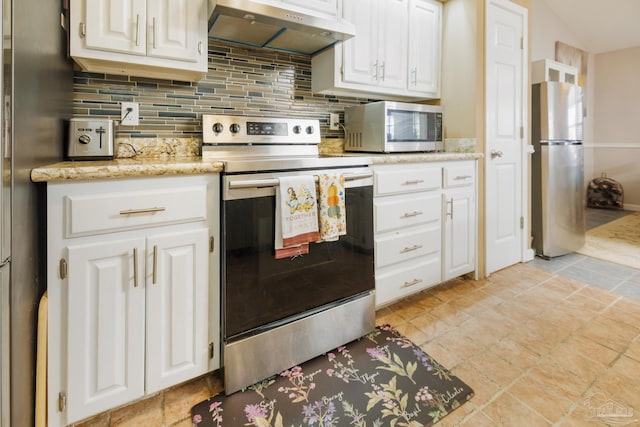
459,62
612,124
616,148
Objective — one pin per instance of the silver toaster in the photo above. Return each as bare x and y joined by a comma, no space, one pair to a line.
90,139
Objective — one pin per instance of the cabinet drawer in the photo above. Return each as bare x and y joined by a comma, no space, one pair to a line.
406,281
402,211
459,175
407,179
87,214
401,246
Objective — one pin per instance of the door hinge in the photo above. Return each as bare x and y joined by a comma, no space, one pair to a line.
210,350
63,269
62,401
521,223
211,241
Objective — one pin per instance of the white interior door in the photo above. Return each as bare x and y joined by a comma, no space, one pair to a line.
505,186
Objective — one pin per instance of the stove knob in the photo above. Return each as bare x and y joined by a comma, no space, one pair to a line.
309,130
234,128
84,139
297,129
217,127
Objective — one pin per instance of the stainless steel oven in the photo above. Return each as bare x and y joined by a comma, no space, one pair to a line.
277,313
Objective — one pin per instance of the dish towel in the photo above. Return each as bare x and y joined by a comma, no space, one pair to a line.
296,216
331,209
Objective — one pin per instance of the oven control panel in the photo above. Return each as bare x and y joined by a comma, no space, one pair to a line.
223,129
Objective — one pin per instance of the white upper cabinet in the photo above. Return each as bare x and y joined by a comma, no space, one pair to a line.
149,38
391,66
425,29
359,53
394,55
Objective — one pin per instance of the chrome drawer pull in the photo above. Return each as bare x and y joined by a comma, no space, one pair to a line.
459,177
411,214
411,283
415,181
135,267
412,248
141,211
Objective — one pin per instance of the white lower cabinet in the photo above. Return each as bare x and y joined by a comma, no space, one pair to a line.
459,245
133,300
425,226
408,229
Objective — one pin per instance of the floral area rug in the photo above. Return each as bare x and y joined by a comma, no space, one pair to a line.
381,379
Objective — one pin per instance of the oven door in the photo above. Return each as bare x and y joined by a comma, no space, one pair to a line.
260,292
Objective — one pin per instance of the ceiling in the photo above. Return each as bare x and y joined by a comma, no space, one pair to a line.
601,26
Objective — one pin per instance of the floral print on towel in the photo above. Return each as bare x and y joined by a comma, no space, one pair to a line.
331,207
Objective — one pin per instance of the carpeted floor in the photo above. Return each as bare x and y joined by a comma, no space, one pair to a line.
617,241
382,379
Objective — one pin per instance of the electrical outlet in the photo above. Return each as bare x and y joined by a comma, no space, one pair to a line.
129,114
334,121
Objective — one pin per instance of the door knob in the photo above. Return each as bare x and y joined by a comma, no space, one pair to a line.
496,153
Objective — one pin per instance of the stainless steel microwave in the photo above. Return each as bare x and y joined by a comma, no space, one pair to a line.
393,127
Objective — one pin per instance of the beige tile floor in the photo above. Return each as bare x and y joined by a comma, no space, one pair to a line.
538,349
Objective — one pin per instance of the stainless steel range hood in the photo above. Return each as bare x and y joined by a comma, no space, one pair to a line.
281,26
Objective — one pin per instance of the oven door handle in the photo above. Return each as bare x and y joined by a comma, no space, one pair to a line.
274,182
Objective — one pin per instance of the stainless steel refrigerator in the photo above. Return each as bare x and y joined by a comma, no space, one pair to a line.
36,88
557,170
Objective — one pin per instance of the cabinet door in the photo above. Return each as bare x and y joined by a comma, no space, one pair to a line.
105,326
329,7
459,247
425,17
392,43
177,307
176,29
115,25
360,53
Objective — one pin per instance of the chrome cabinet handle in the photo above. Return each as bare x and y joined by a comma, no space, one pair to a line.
411,214
155,264
459,177
382,66
141,211
138,30
415,181
414,76
155,34
83,29
496,153
200,48
374,70
450,213
412,248
411,283
135,267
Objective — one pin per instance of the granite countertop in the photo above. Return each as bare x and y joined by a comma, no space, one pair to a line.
140,157
381,159
121,168
158,166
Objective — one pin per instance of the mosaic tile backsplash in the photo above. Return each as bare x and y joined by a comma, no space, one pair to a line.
241,80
